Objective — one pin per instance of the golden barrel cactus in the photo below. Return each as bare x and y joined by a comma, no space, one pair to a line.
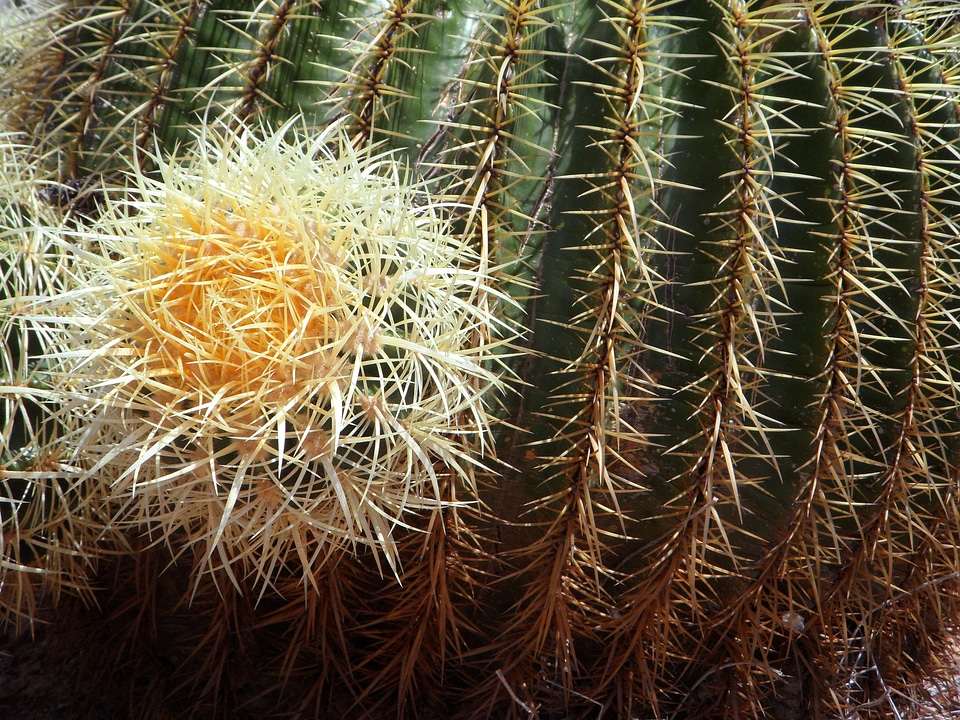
444,358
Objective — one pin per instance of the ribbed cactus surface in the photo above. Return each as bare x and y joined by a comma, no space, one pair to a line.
635,351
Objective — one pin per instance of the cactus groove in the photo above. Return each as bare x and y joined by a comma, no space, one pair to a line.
718,278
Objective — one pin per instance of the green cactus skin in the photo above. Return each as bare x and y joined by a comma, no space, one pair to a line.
726,479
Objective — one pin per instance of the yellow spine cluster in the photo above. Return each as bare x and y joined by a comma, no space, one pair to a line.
272,346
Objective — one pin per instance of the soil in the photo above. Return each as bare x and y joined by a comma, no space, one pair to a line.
35,684
34,687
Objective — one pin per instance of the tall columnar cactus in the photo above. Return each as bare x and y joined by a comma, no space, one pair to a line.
460,359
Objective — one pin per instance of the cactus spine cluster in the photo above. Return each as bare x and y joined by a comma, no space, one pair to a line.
661,422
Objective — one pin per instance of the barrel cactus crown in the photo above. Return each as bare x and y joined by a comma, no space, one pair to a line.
446,358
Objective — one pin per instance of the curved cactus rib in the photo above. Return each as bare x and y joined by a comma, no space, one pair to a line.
394,60
727,457
236,73
94,59
496,98
368,104
110,83
871,257
183,18
257,72
740,332
745,313
899,537
503,96
503,127
588,373
105,73
841,472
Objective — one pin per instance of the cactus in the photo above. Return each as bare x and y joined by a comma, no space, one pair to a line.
443,358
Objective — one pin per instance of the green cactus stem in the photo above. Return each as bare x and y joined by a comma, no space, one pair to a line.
713,246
